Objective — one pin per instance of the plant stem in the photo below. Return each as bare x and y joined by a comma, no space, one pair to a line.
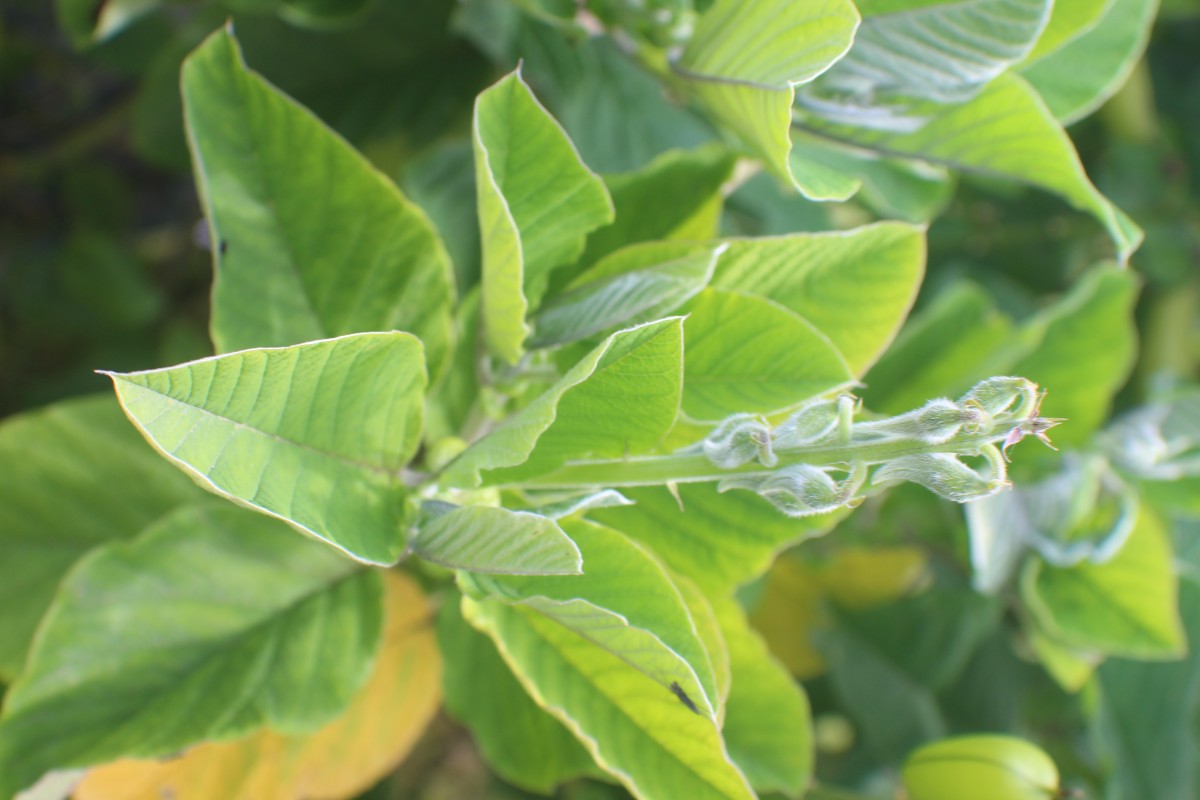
696,467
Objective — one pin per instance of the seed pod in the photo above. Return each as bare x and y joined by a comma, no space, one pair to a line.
981,768
940,473
739,440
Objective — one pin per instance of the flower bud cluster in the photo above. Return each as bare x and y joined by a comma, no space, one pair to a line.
923,446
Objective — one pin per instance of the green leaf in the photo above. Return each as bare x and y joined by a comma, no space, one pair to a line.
676,196
615,111
1069,19
85,478
905,190
324,13
942,53
212,623
941,352
638,731
745,60
585,412
747,354
1082,350
720,541
288,269
1006,132
651,629
708,628
314,434
520,741
1125,606
1078,78
892,711
767,722
855,286
625,298
537,202
497,541
1147,710
931,636
90,21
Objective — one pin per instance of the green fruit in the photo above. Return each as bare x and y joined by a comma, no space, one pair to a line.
980,768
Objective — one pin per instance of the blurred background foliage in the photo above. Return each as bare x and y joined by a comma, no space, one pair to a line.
103,263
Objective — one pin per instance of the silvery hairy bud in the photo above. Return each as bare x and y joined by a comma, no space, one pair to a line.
936,422
810,424
739,440
941,473
998,395
798,491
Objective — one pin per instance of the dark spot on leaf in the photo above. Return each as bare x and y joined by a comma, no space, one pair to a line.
678,691
224,247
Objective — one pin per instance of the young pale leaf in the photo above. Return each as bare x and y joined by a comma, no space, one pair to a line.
643,734
521,742
288,269
718,541
855,286
745,60
651,629
768,727
85,478
943,53
344,758
1125,606
496,541
1008,132
210,624
586,411
747,354
625,299
1077,79
537,202
314,434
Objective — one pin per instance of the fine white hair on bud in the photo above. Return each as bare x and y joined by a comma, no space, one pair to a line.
812,423
739,440
936,422
1000,395
941,473
798,491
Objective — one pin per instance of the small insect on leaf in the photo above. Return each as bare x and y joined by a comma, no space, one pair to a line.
678,691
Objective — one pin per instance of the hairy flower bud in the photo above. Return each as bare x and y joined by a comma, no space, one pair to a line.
998,395
936,422
798,491
810,424
739,440
941,473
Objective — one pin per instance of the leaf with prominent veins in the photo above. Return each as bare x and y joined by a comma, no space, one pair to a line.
651,629
745,60
314,434
944,53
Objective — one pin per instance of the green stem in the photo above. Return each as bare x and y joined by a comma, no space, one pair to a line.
696,467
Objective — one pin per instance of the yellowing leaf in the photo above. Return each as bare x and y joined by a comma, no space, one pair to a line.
340,760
